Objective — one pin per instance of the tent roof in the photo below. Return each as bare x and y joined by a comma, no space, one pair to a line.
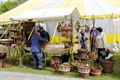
28,5
88,8
48,14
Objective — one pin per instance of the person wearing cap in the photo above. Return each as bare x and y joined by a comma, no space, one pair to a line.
100,42
44,34
36,41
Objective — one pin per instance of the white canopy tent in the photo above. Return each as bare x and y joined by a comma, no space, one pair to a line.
56,14
102,10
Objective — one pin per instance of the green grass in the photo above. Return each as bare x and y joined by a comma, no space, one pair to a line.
105,76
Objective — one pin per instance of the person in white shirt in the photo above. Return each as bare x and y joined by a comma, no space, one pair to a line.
100,43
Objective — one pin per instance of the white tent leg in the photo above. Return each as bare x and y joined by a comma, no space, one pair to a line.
54,33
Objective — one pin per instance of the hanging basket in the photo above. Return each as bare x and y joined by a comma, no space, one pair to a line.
69,33
66,28
93,56
65,67
63,33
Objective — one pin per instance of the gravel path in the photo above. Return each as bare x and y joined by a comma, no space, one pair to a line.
5,75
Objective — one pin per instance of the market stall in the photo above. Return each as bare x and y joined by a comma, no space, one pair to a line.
59,15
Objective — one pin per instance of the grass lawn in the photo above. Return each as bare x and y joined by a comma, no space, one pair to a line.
105,76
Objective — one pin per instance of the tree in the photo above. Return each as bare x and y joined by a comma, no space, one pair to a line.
10,5
7,6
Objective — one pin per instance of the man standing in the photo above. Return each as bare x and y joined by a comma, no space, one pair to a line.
36,41
45,34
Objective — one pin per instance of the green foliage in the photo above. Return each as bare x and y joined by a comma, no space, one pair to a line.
10,5
105,76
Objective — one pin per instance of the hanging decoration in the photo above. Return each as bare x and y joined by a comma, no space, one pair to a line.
77,26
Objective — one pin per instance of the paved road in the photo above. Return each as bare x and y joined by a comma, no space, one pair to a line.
5,75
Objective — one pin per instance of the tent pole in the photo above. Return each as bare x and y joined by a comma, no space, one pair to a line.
114,25
54,33
92,38
31,33
60,37
84,21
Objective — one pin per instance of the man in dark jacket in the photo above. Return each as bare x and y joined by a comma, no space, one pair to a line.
45,34
36,41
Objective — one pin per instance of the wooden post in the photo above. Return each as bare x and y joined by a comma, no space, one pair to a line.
72,42
92,37
20,46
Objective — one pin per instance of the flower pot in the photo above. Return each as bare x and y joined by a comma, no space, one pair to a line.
65,67
84,70
107,65
96,71
55,61
84,75
82,53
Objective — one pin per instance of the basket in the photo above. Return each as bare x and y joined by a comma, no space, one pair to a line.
84,70
82,53
55,61
83,50
93,56
65,67
96,71
66,33
63,33
66,28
